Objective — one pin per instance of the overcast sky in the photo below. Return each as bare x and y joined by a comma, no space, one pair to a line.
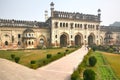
34,9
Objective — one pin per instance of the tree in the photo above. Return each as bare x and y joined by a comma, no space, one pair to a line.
17,59
89,74
92,61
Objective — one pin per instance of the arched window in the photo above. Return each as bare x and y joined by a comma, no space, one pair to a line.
71,25
80,25
60,24
19,43
63,24
66,24
56,24
6,43
32,43
55,36
85,26
75,25
29,35
29,43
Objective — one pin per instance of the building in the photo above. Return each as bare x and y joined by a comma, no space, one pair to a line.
60,29
110,35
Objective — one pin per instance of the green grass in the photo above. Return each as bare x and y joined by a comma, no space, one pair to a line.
27,55
114,62
102,69
106,68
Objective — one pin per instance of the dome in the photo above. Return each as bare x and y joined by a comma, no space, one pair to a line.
28,30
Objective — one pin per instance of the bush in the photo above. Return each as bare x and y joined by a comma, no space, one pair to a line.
92,61
94,48
17,59
110,50
59,53
12,56
48,56
75,75
32,62
89,74
66,50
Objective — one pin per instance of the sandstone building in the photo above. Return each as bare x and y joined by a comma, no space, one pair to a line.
60,29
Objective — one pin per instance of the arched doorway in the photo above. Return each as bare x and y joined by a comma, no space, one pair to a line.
78,40
91,39
6,43
63,40
41,42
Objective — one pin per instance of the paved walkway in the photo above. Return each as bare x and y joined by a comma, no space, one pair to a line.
58,70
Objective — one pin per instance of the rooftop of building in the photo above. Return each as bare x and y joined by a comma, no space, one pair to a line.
21,23
110,28
77,16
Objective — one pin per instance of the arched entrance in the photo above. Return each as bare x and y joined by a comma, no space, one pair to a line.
6,43
91,39
63,40
78,40
41,42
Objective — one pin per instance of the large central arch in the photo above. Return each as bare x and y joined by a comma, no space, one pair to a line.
64,40
78,39
91,39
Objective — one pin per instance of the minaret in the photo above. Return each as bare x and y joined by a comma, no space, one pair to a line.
52,8
46,15
99,14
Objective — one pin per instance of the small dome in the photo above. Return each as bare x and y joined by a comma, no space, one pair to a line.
52,4
28,30
99,10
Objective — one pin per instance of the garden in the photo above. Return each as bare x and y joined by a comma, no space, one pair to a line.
102,70
35,58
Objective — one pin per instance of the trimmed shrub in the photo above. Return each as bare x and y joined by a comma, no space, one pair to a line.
110,50
66,50
94,48
12,56
92,61
33,62
89,74
59,53
17,59
48,56
75,75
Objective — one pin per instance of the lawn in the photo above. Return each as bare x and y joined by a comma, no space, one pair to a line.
114,62
102,69
27,55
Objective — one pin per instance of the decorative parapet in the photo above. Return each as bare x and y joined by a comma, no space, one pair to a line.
76,16
20,23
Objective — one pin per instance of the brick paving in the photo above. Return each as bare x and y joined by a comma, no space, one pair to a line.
58,70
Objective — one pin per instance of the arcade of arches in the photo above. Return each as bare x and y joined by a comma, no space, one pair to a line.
78,40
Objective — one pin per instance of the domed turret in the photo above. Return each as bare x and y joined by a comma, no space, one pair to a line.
52,8
99,14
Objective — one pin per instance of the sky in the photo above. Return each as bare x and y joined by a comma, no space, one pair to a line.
33,10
